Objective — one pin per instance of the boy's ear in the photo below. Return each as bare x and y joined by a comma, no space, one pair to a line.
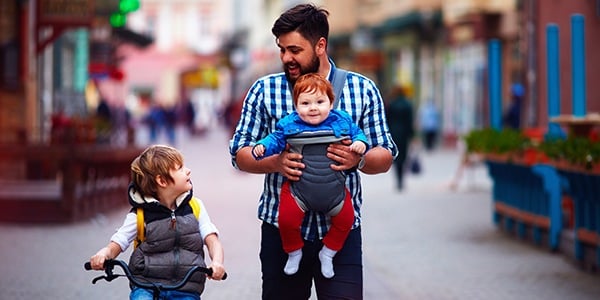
160,181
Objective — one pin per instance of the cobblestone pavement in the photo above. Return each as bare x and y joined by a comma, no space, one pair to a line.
425,242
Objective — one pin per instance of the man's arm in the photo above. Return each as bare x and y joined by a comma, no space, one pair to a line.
286,163
377,160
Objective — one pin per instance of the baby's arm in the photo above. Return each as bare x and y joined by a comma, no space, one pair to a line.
215,251
359,147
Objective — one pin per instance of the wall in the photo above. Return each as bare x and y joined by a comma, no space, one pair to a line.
560,13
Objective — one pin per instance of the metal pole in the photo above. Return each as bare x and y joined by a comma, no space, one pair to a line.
495,83
578,61
553,77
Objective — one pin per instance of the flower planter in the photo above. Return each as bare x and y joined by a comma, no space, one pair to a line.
526,197
584,187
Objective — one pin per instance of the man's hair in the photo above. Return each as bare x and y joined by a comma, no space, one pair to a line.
310,83
307,19
154,161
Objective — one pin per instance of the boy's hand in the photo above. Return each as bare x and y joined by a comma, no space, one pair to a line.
97,261
218,271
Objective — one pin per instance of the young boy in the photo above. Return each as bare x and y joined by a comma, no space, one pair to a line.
175,237
309,130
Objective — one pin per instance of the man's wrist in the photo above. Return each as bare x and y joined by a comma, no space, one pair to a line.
361,163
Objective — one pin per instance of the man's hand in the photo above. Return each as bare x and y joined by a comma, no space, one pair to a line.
342,154
290,165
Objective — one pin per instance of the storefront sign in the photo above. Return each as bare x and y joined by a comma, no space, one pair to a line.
65,12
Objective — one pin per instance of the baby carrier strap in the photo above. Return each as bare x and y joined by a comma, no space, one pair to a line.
338,82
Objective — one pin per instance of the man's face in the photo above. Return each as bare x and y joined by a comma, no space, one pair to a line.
297,55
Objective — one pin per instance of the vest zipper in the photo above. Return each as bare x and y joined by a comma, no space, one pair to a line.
176,248
173,220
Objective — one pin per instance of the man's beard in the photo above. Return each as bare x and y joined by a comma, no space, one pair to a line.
313,67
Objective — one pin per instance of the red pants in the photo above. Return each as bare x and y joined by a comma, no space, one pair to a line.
291,217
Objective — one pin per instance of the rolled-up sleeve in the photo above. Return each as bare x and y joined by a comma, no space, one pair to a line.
251,124
127,232
206,226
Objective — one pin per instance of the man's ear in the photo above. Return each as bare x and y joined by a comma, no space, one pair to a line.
321,47
160,181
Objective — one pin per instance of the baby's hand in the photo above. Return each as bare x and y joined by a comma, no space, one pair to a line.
358,147
258,150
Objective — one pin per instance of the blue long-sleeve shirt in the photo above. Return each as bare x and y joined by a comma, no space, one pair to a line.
339,122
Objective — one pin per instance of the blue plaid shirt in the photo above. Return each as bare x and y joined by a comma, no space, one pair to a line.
269,99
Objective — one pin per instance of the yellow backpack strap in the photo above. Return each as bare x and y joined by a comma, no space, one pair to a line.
141,232
195,207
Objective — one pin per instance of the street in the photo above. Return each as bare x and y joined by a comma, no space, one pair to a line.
425,242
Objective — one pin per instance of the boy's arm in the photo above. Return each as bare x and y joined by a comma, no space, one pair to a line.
111,251
217,256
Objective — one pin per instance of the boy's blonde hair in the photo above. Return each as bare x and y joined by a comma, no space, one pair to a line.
156,160
310,83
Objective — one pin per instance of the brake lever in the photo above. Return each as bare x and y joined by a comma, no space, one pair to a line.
108,278
99,278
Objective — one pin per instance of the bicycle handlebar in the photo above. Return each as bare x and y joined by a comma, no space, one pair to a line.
109,265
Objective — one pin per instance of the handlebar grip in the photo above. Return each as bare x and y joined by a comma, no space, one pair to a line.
87,265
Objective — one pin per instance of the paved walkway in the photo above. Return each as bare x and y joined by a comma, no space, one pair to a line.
426,242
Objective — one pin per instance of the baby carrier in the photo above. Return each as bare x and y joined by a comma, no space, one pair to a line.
320,188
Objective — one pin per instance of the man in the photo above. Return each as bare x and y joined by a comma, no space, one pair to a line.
301,34
400,121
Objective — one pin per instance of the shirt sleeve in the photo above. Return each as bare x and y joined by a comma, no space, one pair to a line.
206,226
127,232
251,125
374,124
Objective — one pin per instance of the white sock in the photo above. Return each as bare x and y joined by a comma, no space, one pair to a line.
293,262
326,257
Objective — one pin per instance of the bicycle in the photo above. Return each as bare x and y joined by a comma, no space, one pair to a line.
156,287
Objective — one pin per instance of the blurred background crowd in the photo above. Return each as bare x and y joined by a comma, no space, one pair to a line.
113,66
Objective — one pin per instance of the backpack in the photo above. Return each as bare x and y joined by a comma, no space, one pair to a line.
141,229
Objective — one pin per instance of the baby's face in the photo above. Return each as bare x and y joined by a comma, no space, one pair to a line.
313,107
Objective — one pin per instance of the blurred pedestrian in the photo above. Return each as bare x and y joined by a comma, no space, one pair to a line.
170,123
154,120
400,118
512,117
429,120
187,114
104,122
161,118
302,34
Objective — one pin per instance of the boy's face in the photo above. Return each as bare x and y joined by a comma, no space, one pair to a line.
181,179
313,107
